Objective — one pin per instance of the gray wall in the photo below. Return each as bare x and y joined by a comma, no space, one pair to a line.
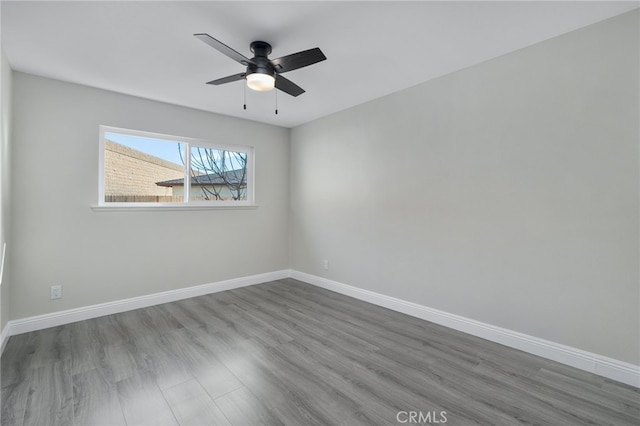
507,192
106,256
5,189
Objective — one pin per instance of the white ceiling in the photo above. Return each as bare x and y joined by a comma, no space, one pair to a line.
147,49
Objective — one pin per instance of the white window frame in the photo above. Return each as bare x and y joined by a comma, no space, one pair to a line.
186,204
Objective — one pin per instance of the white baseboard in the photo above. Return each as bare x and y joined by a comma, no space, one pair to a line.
587,361
53,319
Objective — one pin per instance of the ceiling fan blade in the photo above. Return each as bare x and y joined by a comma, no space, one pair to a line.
288,86
228,79
223,48
298,60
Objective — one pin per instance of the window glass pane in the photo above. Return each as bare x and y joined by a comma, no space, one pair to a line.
142,170
218,175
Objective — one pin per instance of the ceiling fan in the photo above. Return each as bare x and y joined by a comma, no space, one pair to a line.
262,73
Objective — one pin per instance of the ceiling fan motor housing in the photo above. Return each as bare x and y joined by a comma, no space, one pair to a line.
261,64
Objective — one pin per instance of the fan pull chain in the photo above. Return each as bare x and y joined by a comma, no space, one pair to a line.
245,96
276,101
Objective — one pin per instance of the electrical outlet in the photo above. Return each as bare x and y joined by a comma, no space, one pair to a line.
325,264
56,292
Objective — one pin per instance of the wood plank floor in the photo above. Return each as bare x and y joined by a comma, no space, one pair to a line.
289,353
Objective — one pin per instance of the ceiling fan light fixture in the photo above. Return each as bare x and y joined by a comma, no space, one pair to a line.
261,82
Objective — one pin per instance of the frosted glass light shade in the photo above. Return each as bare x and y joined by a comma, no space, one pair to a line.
261,82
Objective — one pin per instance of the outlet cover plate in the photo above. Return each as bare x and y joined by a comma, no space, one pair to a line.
56,292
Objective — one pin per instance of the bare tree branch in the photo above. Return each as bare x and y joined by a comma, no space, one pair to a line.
217,171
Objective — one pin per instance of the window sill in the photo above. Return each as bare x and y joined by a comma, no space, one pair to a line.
155,208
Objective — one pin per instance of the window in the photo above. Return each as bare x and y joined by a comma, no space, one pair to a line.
147,169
